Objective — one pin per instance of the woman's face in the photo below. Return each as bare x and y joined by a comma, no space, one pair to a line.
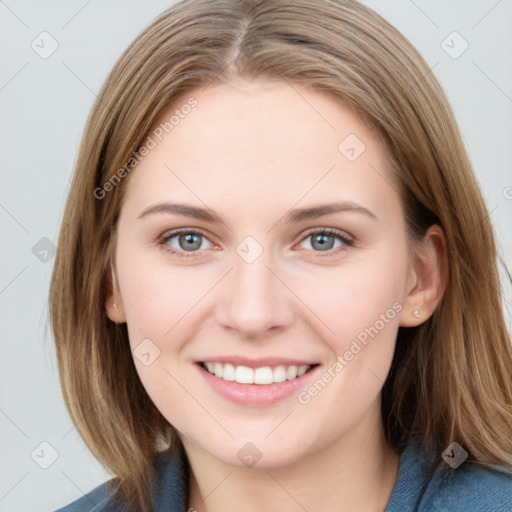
251,286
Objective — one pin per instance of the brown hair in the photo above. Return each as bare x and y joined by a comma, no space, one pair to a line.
451,377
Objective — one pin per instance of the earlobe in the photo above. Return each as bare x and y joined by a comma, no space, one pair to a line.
113,303
430,279
114,311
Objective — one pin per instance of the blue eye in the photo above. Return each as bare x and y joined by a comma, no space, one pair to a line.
324,239
189,241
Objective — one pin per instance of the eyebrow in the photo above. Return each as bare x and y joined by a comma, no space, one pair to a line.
296,215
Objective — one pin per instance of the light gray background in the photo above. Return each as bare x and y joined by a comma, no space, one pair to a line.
44,104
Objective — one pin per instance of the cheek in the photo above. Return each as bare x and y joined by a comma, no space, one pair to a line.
351,297
156,296
361,305
159,304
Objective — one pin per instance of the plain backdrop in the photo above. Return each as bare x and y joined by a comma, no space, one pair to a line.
44,102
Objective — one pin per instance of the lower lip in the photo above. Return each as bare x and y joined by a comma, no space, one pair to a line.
255,395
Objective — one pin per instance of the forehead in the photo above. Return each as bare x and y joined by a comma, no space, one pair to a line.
261,142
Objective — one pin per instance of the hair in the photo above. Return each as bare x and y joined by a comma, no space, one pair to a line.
451,376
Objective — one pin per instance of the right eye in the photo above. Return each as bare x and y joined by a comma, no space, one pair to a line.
183,241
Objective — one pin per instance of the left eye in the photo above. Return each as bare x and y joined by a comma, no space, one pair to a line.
323,240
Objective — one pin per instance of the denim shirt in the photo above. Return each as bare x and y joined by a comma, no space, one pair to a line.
420,487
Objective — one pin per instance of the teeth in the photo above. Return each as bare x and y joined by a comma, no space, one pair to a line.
244,375
279,374
301,370
263,375
291,372
229,372
218,369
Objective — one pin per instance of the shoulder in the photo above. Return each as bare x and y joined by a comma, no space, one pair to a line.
426,483
468,488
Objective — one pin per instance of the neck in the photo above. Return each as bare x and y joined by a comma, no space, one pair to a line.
354,473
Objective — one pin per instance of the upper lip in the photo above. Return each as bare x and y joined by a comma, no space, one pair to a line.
256,363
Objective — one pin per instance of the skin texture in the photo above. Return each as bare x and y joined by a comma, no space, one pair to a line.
251,152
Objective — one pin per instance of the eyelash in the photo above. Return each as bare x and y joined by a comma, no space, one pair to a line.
347,241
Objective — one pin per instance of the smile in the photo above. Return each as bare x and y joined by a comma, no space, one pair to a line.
262,384
264,375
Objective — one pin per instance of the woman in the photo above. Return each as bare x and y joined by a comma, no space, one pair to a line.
276,284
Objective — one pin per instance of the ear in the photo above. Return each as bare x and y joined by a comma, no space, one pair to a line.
427,279
113,302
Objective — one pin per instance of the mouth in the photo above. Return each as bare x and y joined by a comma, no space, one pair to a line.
262,375
254,384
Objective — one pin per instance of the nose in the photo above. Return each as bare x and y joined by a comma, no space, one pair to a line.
255,299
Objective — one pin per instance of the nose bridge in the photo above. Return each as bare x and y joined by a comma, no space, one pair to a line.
255,300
